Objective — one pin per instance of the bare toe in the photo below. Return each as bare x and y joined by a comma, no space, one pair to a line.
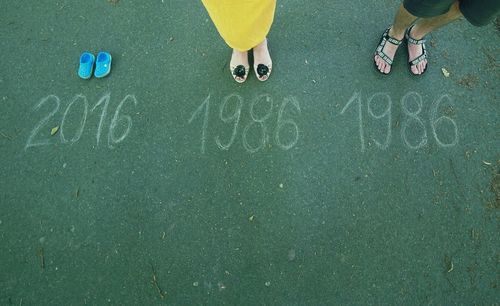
424,65
377,62
414,69
380,63
420,67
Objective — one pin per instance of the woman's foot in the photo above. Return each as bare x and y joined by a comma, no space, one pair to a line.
262,61
387,48
239,66
417,55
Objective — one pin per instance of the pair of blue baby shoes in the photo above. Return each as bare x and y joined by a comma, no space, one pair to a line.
102,65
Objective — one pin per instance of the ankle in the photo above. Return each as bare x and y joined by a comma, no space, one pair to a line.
416,32
237,52
262,45
396,32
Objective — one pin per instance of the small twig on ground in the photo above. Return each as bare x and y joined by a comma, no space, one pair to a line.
6,136
42,258
154,281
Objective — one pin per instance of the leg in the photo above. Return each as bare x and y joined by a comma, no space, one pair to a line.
242,25
402,21
426,25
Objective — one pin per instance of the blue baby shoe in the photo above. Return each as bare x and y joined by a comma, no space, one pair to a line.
102,65
86,65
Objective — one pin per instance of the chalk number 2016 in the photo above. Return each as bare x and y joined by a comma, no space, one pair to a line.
117,119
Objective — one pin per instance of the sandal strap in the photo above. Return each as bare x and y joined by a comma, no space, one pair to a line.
420,58
420,42
412,40
391,39
383,41
384,56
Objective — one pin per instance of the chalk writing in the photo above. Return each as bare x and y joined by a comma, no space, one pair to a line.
436,121
105,99
205,105
356,98
235,117
412,107
413,116
385,114
284,122
231,111
80,99
112,139
260,121
43,122
79,132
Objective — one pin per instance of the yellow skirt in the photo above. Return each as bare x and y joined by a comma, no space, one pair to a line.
243,24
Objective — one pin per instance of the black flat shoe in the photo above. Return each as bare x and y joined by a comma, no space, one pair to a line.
239,73
263,71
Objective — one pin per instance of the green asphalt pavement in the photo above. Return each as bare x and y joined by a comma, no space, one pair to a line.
168,183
